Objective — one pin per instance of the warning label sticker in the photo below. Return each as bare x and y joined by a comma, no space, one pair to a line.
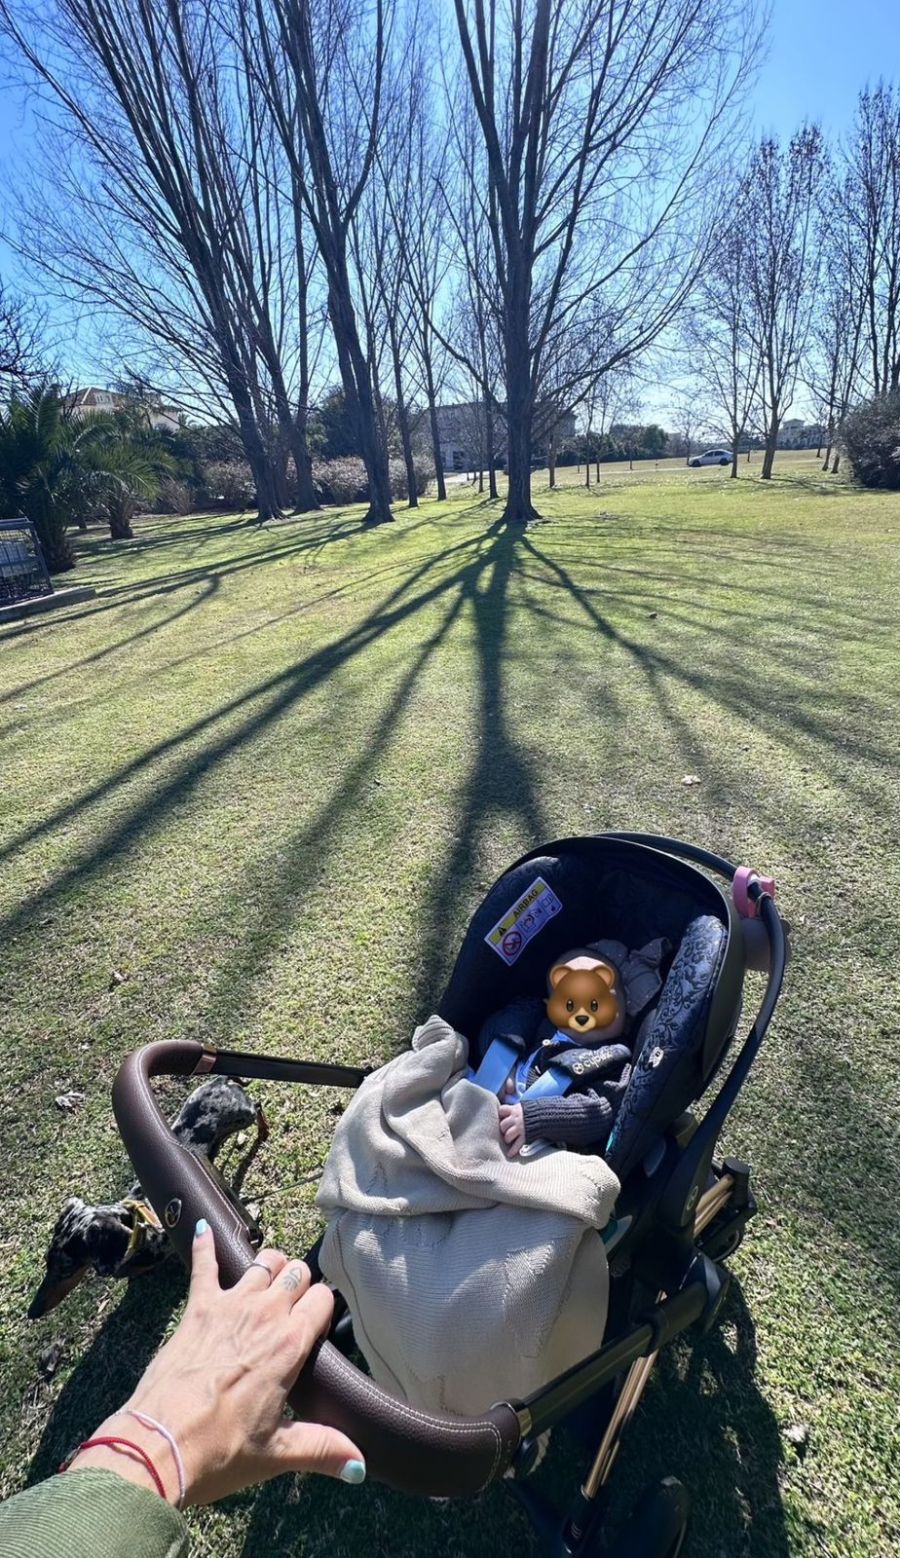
529,914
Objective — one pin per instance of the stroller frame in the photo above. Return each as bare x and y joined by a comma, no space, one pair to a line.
698,1208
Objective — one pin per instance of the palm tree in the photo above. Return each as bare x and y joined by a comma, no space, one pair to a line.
58,469
128,458
40,473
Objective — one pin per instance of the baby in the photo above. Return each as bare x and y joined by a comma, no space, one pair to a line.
574,1062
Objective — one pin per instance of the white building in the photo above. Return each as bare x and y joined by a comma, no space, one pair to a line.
82,402
461,431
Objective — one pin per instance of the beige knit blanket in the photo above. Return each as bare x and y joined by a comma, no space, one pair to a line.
471,1277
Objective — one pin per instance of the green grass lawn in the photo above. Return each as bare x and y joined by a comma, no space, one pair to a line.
266,776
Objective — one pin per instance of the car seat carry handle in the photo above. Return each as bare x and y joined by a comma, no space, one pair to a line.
416,1452
703,857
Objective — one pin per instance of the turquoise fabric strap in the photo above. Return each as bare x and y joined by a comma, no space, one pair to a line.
498,1062
552,1083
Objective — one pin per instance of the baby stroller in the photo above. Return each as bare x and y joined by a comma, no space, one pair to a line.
681,1211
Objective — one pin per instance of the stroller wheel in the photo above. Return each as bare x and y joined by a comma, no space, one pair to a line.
659,1524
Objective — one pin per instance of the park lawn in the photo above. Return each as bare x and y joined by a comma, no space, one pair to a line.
266,775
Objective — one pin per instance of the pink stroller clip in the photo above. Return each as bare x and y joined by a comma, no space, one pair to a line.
746,907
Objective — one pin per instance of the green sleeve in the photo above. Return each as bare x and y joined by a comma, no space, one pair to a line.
90,1514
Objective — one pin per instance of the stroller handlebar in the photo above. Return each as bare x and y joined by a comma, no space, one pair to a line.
415,1452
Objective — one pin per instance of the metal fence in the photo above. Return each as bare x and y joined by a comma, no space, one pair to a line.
23,572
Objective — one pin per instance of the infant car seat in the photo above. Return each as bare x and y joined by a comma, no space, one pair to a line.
588,890
680,1213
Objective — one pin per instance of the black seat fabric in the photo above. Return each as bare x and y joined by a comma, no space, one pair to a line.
667,1074
607,888
614,889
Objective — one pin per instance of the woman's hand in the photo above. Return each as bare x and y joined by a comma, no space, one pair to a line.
512,1128
219,1385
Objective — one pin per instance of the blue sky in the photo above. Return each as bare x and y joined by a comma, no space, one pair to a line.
818,55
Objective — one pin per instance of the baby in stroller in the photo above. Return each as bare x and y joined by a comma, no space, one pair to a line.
561,1066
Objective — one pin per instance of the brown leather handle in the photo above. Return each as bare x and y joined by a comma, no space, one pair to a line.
416,1452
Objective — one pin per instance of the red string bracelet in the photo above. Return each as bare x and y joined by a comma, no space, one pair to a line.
122,1447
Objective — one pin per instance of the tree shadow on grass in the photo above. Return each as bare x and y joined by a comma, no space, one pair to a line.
138,591
236,722
793,722
705,1421
108,1372
850,1149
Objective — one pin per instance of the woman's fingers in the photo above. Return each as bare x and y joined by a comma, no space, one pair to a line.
261,1273
293,1280
310,1319
313,1447
204,1266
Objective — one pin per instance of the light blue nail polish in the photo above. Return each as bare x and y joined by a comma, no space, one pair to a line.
201,1228
353,1471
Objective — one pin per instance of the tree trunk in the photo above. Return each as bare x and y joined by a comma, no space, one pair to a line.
769,453
837,462
734,460
307,498
59,554
597,473
519,507
121,514
431,397
412,496
357,384
551,456
489,445
827,461
254,448
519,391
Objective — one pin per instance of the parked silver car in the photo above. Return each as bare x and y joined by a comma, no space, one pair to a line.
712,457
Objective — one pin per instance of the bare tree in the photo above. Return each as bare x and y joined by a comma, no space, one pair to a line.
838,343
871,202
607,399
719,336
688,416
321,71
410,165
597,118
777,209
159,111
20,329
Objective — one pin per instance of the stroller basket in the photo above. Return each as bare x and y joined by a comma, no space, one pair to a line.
680,1211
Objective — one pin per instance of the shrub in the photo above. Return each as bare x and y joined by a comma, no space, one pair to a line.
229,484
341,481
871,437
424,470
174,496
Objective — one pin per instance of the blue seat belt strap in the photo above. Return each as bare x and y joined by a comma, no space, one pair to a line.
499,1059
498,1062
552,1083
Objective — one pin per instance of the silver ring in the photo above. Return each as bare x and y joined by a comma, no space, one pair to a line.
263,1267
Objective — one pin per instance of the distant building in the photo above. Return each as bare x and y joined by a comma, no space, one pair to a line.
81,402
794,433
461,431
